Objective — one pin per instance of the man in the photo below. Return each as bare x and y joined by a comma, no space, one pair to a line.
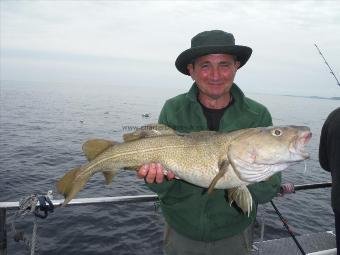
197,222
329,157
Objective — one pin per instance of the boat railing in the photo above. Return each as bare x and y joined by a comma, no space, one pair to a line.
89,201
4,206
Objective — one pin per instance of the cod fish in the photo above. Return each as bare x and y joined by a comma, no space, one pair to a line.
213,160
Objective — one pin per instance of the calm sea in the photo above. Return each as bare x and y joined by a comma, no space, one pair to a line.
43,126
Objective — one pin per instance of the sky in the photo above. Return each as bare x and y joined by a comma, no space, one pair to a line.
135,43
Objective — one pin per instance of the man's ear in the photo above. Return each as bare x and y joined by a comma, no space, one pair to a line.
238,63
190,68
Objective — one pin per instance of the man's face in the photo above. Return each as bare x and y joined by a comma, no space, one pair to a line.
214,74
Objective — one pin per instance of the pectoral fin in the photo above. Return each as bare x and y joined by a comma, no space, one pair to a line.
92,148
223,167
242,198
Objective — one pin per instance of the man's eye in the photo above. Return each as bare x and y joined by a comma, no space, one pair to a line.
225,65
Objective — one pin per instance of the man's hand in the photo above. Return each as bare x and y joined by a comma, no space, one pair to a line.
154,172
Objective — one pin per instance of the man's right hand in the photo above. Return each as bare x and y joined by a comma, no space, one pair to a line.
154,172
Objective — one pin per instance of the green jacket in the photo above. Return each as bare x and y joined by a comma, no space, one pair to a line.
186,207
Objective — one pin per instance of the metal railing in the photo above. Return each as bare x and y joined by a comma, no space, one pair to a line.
4,206
88,201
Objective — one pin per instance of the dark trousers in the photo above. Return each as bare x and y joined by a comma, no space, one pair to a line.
177,244
337,230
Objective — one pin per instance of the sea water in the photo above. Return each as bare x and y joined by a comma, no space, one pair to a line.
42,129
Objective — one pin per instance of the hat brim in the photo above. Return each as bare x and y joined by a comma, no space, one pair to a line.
242,53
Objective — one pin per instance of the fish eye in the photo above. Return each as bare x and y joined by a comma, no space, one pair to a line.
277,132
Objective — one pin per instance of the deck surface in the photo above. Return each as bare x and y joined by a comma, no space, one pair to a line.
284,246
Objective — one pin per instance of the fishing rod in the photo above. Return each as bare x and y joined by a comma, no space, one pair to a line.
284,221
312,186
330,69
288,188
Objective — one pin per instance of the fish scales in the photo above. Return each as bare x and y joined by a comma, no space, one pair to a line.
192,158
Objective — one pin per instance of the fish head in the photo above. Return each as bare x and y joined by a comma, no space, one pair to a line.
260,152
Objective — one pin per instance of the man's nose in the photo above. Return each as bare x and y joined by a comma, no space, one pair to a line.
215,73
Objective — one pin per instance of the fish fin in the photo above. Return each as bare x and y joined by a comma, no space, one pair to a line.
133,168
71,183
109,176
150,130
223,167
242,197
92,148
197,134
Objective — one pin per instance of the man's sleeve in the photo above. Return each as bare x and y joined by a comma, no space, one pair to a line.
162,119
323,154
265,191
266,119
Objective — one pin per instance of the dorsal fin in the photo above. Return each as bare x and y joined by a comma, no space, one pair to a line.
92,148
197,134
202,133
150,130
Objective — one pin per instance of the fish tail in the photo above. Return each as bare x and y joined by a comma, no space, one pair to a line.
72,182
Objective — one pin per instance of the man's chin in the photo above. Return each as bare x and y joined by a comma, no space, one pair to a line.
215,97
216,94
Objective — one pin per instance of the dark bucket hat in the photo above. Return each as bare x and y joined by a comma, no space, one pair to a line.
212,42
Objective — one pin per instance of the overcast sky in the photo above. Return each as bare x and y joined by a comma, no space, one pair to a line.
136,42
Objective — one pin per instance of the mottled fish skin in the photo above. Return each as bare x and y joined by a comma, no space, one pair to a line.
247,156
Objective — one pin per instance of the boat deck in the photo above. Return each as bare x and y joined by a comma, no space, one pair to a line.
318,243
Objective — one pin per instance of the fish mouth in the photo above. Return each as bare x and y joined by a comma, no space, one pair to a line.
298,146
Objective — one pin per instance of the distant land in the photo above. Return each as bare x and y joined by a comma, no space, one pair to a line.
315,97
30,82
